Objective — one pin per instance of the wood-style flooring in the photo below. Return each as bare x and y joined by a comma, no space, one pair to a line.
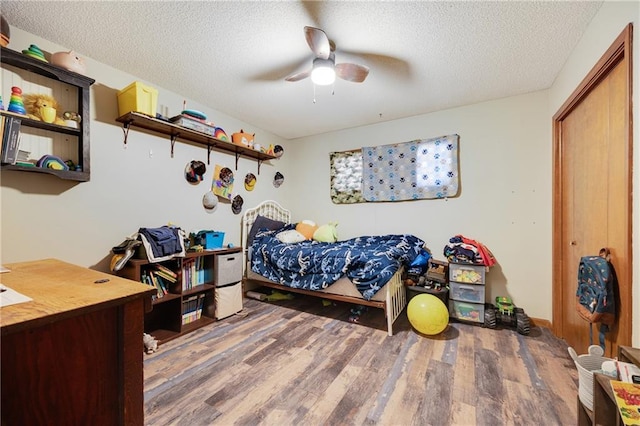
299,362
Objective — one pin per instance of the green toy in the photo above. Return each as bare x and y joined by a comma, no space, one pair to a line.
507,313
326,233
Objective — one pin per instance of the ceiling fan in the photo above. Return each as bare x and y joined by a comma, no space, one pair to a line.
324,69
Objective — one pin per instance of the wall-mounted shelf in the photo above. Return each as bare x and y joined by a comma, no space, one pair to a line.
142,121
79,135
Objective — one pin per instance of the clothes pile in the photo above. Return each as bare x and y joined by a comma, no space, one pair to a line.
465,250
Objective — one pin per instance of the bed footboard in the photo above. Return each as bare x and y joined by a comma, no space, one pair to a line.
396,300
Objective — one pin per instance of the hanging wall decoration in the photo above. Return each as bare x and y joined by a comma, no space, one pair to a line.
250,182
222,184
278,178
346,177
194,172
420,169
236,204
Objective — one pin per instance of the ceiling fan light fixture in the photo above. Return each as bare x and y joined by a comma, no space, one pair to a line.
323,72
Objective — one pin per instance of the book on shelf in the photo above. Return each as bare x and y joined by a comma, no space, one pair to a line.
192,308
627,396
10,139
166,270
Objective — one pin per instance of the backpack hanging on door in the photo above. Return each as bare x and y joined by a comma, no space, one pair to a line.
595,294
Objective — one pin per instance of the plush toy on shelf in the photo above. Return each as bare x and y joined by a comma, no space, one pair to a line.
39,107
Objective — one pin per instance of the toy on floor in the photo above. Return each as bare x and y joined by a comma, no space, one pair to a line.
356,313
150,343
427,314
276,295
506,312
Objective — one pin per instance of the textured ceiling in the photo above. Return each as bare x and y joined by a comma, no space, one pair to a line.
233,56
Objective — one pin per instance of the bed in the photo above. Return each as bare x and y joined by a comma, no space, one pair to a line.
390,295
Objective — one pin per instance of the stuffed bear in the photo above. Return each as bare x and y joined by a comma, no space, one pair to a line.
33,102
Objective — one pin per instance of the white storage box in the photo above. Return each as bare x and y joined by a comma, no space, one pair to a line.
228,268
228,300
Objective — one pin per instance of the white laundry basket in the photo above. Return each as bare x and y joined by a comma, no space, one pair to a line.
586,365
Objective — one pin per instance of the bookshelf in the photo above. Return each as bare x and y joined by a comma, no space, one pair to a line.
185,290
71,90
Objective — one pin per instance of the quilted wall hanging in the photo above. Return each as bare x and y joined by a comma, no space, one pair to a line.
420,169
346,177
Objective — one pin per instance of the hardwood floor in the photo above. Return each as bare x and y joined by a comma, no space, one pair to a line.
299,362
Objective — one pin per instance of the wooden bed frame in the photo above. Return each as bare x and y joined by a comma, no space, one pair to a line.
395,298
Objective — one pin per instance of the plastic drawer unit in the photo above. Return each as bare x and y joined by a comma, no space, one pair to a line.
473,293
466,311
469,274
228,268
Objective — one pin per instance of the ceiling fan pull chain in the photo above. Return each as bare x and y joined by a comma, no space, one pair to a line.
314,93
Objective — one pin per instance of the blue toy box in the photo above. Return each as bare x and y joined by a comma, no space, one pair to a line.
213,240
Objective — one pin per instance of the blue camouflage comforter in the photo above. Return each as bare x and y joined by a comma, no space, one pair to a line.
368,261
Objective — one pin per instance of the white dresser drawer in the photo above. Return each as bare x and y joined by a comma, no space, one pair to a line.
228,268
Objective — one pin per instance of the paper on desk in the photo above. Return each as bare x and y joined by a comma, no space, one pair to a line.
9,296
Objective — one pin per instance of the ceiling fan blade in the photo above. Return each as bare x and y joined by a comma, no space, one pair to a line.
298,76
396,66
318,42
352,72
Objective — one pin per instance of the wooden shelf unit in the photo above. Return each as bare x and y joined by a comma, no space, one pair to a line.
605,410
82,84
165,321
175,132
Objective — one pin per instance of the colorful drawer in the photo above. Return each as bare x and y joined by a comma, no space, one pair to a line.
464,273
466,311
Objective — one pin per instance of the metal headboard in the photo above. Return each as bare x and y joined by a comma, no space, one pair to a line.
270,209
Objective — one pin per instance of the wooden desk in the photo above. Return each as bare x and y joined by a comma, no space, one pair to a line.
72,355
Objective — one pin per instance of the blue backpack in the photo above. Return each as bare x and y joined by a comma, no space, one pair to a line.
595,295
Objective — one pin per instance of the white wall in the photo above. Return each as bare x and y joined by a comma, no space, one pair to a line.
506,172
505,200
605,27
505,160
131,187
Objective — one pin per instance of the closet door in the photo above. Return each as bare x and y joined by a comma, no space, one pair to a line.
592,192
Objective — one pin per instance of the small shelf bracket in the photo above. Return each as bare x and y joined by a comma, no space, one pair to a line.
237,156
209,153
173,142
125,130
259,164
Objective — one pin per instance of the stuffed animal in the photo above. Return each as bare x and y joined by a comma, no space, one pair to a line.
34,104
307,228
327,233
150,343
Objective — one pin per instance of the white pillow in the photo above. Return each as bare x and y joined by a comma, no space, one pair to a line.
290,236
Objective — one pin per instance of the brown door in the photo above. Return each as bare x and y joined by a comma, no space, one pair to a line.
592,192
